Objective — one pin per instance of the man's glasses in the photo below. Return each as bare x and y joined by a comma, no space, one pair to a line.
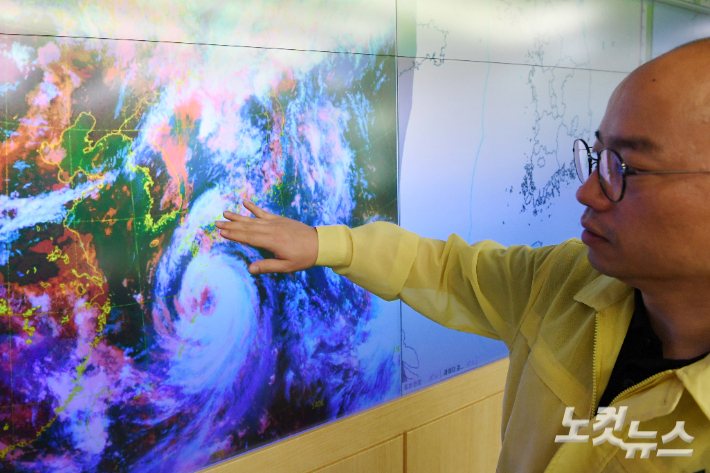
611,169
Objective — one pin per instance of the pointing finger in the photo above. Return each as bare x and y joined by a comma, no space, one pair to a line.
251,207
234,217
253,236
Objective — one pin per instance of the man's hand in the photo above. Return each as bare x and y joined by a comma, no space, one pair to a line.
294,244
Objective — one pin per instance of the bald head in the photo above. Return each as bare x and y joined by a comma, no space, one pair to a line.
682,75
668,101
689,61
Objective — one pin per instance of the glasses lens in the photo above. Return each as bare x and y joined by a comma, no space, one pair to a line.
581,159
611,174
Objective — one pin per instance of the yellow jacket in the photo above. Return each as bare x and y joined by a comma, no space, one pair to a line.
563,323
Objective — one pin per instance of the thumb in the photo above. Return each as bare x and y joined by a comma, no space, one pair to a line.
270,266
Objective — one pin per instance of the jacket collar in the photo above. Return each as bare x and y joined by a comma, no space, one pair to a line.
605,291
602,292
696,379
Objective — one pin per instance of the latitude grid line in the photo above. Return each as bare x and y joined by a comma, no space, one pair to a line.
322,51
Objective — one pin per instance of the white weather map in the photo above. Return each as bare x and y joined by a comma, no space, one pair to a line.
489,108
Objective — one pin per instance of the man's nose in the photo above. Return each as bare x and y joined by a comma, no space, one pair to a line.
590,194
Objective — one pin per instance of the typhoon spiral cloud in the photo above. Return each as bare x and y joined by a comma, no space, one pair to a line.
134,337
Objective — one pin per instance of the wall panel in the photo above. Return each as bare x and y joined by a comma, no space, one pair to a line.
385,458
467,440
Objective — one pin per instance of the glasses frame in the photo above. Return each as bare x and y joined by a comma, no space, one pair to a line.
626,170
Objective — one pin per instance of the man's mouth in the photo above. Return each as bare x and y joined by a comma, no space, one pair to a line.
592,236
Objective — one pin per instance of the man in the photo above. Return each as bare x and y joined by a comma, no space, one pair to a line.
621,318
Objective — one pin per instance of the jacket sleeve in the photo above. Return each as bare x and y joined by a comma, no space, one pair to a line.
483,288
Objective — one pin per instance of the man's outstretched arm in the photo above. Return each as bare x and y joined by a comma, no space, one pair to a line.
483,288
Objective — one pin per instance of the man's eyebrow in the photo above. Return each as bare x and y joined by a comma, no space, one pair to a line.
635,143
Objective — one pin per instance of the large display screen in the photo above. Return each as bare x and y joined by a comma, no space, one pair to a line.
132,337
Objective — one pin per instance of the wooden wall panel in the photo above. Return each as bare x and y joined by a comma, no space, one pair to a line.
467,440
387,457
339,440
